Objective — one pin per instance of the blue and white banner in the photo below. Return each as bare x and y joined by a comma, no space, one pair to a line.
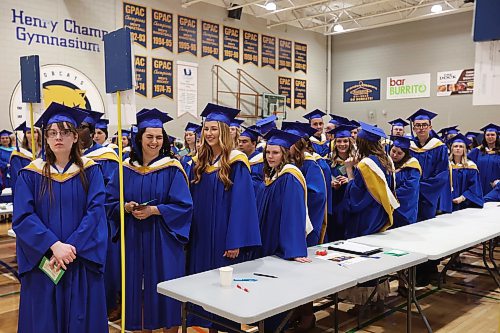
362,90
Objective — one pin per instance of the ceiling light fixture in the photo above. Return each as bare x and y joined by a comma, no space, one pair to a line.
437,9
270,5
338,28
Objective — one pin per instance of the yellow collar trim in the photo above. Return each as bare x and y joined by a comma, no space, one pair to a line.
23,153
161,164
234,156
259,158
316,141
38,165
103,153
412,163
433,143
470,165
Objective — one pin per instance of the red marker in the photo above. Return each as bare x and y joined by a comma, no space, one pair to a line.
242,288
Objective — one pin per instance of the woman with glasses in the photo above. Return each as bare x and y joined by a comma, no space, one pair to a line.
61,232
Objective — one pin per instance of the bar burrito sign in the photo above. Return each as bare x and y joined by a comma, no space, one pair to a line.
409,86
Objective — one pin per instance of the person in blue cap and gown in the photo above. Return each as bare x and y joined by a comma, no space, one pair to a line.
158,209
398,127
5,150
472,137
60,223
264,126
225,224
303,159
190,137
101,134
247,143
235,130
494,194
487,157
408,172
318,140
467,191
448,132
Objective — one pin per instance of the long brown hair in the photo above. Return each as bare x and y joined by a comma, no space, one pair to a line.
286,159
351,152
484,144
27,145
297,155
75,156
367,148
205,155
405,158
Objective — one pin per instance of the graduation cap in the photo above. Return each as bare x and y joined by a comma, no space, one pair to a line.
266,124
448,130
22,127
398,122
281,138
5,133
236,123
491,128
401,141
152,118
57,113
338,120
355,123
124,133
191,127
422,114
472,134
297,128
197,131
459,138
252,134
93,116
343,131
102,124
171,139
371,133
314,114
224,114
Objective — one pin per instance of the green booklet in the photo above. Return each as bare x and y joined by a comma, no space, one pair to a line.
54,274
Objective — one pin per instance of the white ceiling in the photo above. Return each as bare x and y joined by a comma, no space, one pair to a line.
353,15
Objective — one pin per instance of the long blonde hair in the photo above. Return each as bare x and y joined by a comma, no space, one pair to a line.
335,158
463,160
285,159
205,155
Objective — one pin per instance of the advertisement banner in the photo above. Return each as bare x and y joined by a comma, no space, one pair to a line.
163,78
300,94
457,82
210,40
268,56
300,57
162,30
250,48
134,17
187,88
285,89
362,90
409,86
187,35
285,54
231,44
141,78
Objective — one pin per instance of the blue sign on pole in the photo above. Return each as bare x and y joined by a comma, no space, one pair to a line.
118,60
30,79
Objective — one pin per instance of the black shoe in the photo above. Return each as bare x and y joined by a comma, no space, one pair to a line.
422,281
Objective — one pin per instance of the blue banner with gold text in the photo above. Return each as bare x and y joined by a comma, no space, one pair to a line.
135,18
187,35
268,56
163,78
250,48
231,44
210,40
141,77
162,30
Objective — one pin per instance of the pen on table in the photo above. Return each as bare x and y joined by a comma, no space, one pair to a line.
265,275
370,257
245,280
242,288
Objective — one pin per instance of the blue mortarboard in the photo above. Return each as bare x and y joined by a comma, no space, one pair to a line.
124,133
224,114
191,127
297,128
449,130
266,124
398,122
338,120
401,141
281,138
433,134
93,116
491,128
102,124
172,139
5,133
355,123
371,133
314,114
152,118
198,131
57,113
422,114
236,122
459,138
250,133
472,134
343,131
22,127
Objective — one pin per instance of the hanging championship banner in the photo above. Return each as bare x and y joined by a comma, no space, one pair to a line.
210,40
163,78
300,57
134,17
187,35
250,48
268,55
456,82
285,54
285,89
362,90
299,94
141,68
187,88
231,44
162,30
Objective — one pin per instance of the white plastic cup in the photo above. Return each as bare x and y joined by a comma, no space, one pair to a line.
226,276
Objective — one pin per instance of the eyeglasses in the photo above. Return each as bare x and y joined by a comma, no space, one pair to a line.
421,126
64,133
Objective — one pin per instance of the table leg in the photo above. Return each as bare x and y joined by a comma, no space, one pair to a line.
408,301
411,289
363,308
184,317
10,269
261,326
493,275
336,311
442,275
492,254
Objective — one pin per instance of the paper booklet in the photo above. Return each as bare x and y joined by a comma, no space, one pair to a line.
355,248
54,274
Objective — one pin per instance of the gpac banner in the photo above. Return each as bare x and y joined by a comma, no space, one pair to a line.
187,88
135,18
250,48
362,90
141,70
231,44
409,86
187,35
300,94
285,54
210,40
285,89
300,57
163,77
456,82
162,30
268,56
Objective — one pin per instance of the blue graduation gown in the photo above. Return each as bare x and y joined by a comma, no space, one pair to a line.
5,154
154,247
187,163
494,194
316,197
77,302
407,189
488,165
327,173
433,159
322,146
106,157
336,224
466,182
18,160
365,213
256,161
282,215
445,204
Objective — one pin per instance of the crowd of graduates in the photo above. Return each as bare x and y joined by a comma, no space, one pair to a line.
228,193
